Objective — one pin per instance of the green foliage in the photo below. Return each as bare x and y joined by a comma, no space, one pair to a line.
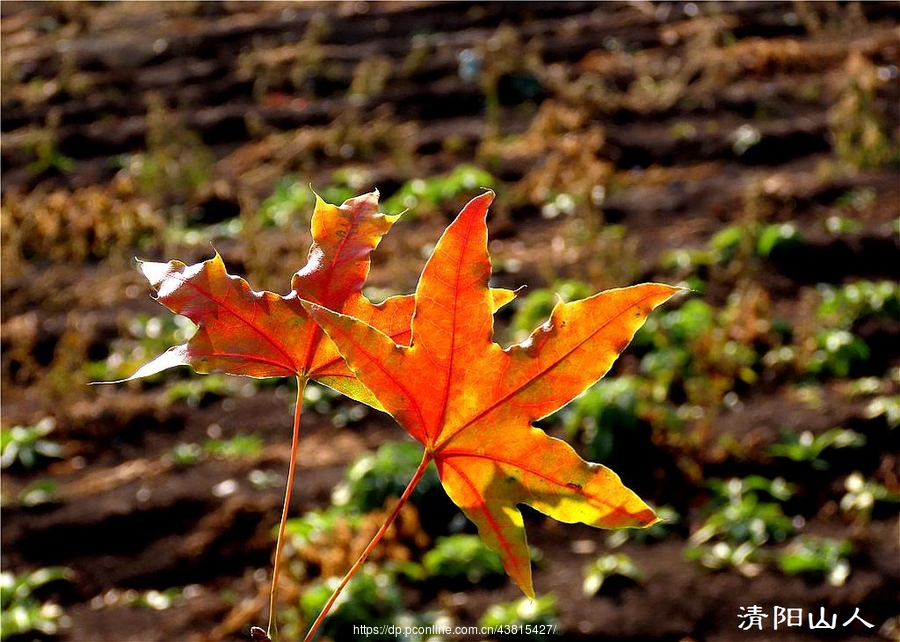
26,444
372,598
808,447
534,308
839,225
822,557
833,349
187,454
737,243
689,354
373,478
199,390
737,513
21,611
887,406
541,612
290,201
862,494
423,197
847,305
313,526
607,566
241,445
177,164
778,237
42,491
837,351
857,199
739,521
293,200
725,555
149,336
462,556
158,600
604,412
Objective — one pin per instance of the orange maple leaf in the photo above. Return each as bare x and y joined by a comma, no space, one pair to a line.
262,334
472,403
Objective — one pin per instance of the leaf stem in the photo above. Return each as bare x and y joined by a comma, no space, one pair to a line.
426,459
289,486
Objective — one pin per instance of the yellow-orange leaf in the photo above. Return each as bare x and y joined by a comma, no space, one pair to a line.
472,403
262,334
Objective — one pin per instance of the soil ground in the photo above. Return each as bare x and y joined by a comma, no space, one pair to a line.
146,129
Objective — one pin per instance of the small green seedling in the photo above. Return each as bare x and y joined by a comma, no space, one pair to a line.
807,447
462,556
375,477
26,444
723,555
536,619
817,556
21,612
862,495
607,566
738,514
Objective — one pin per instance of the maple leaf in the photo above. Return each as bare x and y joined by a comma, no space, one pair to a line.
472,403
262,334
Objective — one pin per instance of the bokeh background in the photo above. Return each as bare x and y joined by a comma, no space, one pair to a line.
748,150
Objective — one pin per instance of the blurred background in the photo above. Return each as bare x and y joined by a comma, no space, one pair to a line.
748,150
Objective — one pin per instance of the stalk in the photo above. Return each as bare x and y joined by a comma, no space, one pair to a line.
276,571
426,459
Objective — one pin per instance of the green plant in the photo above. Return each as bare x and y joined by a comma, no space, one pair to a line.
187,454
533,619
837,351
887,406
241,445
807,447
176,165
847,305
372,598
606,412
817,556
737,513
42,491
862,494
724,555
857,199
427,196
284,206
781,237
374,478
370,607
693,353
21,611
535,307
198,392
26,444
607,566
148,335
461,556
